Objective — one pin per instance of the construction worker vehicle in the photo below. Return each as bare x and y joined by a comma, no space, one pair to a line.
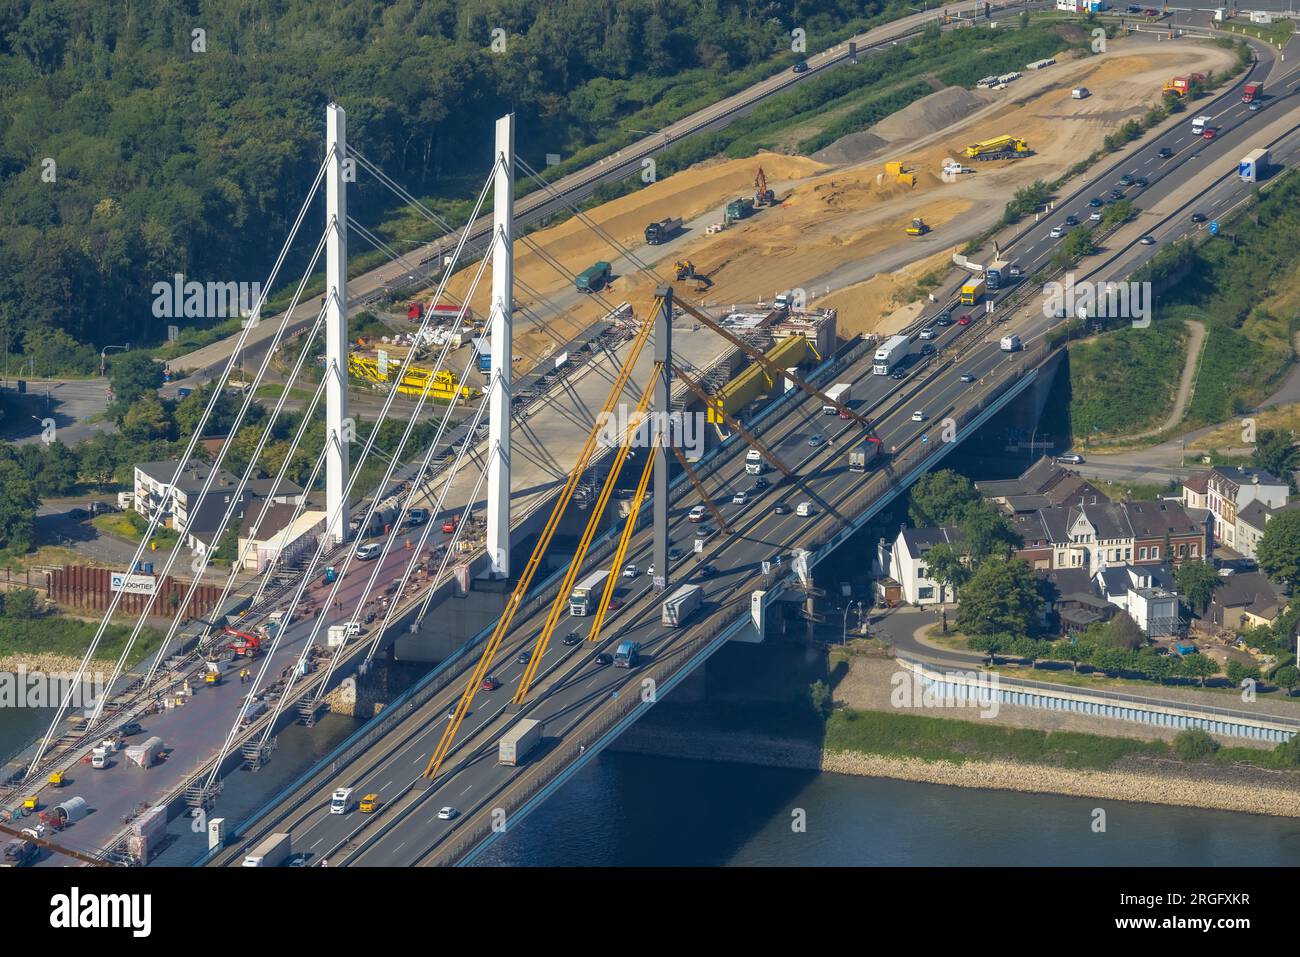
1000,147
685,269
762,195
1182,85
918,227
243,643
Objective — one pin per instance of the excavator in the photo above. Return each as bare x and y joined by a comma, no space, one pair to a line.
918,227
685,269
762,195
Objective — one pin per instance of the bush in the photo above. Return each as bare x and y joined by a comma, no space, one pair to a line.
1195,745
820,699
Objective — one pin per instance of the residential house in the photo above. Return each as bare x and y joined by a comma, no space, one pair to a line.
1096,534
1042,484
1251,521
177,498
1227,492
1246,600
1147,594
908,568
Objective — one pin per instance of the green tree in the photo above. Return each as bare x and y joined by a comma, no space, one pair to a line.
986,532
146,420
131,375
1197,666
22,603
940,498
820,699
1001,598
1288,678
1278,551
1123,632
1237,672
1277,454
947,567
18,507
1194,744
1196,582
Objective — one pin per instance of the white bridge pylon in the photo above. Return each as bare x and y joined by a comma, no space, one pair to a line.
500,327
336,324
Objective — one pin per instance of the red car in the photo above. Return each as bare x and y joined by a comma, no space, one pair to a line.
1209,134
964,320
449,525
490,684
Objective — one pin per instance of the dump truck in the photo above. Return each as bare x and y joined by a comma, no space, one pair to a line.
1182,85
864,455
586,597
1000,147
680,605
918,227
518,741
1253,166
1252,92
661,230
840,393
272,852
890,354
594,277
736,210
973,291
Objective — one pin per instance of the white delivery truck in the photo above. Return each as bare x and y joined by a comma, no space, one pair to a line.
272,852
890,355
754,464
1253,165
1010,343
518,741
1199,124
586,597
680,605
840,393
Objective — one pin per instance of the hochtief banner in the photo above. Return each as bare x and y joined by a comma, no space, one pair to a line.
133,584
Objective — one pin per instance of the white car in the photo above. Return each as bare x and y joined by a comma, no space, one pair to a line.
918,416
447,813
697,514
629,570
926,333
740,498
650,570
1095,217
1057,232
368,552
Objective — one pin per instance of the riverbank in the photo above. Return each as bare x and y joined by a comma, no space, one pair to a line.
1139,779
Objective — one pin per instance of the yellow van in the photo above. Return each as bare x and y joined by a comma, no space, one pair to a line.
369,803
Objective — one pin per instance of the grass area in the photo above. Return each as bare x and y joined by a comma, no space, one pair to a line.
1125,381
132,526
946,739
61,635
1285,418
1278,33
275,389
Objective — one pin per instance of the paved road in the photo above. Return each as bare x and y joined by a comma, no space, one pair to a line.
71,403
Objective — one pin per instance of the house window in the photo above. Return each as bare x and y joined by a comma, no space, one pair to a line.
1128,554
922,572
1155,551
1142,553
1193,551
924,594
1182,551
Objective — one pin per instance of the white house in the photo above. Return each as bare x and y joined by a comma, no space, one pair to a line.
1146,593
908,567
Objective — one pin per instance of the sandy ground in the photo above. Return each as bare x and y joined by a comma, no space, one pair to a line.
828,217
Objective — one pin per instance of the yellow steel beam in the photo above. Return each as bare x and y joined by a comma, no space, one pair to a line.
621,552
535,560
748,436
580,555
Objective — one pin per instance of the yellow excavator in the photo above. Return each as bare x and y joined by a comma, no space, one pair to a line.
918,227
685,269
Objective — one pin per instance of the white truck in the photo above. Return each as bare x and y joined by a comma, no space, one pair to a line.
1010,343
890,354
341,801
754,463
680,605
1253,165
272,852
1200,123
837,395
518,741
586,597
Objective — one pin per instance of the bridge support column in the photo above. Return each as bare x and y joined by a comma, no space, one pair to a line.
500,326
336,324
663,333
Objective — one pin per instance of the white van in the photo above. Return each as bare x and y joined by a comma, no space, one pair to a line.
1080,93
341,801
804,509
1199,124
1010,343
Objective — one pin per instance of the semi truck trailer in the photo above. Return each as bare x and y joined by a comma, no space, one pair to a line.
680,605
518,741
890,354
272,852
840,393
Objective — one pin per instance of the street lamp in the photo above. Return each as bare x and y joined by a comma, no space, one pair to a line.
103,355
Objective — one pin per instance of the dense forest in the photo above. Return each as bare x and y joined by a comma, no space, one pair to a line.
142,138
